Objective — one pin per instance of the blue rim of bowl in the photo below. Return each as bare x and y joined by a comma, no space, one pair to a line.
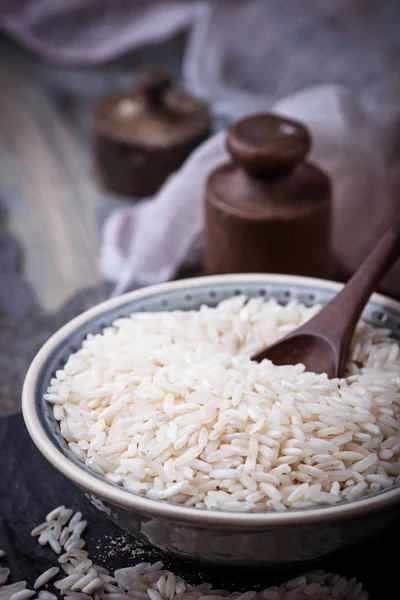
43,434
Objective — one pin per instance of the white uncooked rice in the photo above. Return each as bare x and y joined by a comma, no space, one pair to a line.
171,406
146,581
45,595
22,595
4,573
45,577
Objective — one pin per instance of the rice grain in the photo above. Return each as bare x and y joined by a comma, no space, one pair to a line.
160,400
45,577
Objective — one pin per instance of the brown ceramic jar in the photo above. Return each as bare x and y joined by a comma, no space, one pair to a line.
141,137
268,210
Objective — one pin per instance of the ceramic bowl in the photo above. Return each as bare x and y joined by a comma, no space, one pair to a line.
207,535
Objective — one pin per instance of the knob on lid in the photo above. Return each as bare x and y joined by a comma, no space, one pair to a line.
267,144
155,83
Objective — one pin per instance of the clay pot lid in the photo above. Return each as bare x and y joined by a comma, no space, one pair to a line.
156,114
268,177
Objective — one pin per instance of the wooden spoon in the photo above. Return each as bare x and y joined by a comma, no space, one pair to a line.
322,344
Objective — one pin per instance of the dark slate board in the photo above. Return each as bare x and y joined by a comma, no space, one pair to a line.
30,487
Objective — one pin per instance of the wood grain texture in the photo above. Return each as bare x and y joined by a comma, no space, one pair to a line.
45,181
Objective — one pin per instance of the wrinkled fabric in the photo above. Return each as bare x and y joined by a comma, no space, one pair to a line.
148,242
344,145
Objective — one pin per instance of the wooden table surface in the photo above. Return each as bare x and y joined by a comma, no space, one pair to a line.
53,205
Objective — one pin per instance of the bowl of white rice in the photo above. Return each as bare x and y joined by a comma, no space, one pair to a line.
151,404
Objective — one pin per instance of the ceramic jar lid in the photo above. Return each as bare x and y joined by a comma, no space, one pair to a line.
141,136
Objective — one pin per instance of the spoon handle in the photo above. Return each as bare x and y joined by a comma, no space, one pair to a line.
345,309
